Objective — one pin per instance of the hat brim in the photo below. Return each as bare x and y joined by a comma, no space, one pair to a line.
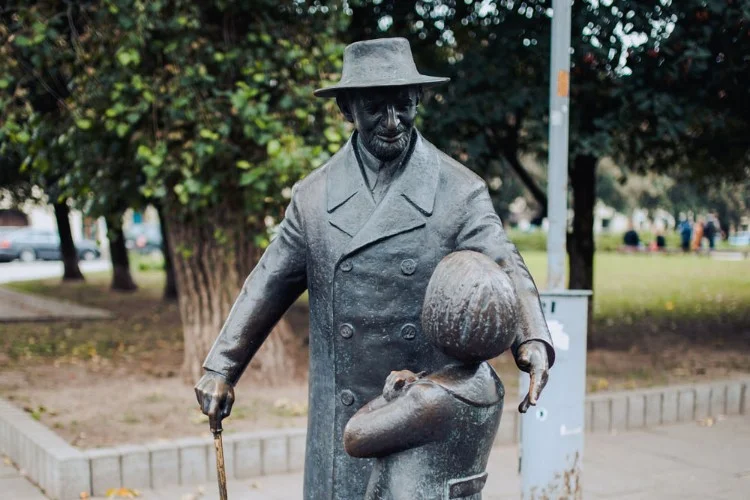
421,81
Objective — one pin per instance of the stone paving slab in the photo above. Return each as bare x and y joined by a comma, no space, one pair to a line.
684,461
15,486
16,306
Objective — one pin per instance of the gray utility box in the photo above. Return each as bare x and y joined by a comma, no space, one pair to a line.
551,451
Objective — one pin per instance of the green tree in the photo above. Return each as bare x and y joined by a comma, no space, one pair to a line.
34,84
208,107
497,54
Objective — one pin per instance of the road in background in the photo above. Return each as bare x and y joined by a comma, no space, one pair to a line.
25,271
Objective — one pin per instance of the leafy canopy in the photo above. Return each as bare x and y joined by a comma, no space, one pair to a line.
203,106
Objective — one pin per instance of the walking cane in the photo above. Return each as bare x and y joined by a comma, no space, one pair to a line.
221,473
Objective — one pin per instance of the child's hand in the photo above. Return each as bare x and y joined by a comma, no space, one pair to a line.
396,382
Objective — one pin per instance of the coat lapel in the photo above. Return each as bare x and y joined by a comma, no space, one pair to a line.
406,205
349,203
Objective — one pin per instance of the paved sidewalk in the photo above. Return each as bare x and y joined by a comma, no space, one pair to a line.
16,306
686,461
13,485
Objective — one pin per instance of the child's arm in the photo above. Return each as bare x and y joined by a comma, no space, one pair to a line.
420,415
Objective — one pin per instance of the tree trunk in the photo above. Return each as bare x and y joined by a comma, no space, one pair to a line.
509,147
581,241
170,284
68,250
210,272
538,193
122,280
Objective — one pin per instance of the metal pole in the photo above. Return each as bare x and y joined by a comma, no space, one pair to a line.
559,100
552,432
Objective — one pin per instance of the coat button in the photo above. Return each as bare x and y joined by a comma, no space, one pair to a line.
346,266
408,266
346,330
409,331
347,397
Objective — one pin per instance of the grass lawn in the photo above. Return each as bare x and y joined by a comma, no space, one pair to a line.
664,318
630,287
657,319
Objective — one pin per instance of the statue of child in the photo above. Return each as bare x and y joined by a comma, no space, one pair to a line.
432,434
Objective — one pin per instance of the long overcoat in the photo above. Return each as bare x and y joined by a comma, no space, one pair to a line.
366,266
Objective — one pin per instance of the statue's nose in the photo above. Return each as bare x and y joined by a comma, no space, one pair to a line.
391,120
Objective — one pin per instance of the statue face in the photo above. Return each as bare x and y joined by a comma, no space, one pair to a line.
384,118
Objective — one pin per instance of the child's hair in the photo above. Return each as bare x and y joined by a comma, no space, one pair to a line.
470,309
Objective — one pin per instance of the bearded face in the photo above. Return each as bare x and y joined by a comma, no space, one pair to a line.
384,118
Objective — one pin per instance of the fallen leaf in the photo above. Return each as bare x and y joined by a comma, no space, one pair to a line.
602,384
122,493
707,422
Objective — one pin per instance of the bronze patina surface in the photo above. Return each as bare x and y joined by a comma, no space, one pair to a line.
431,434
363,234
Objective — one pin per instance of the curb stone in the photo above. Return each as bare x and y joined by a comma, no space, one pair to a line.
63,472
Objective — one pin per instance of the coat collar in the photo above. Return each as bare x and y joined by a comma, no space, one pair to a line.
406,205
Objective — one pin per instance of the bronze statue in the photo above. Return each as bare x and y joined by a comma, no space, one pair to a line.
363,234
432,434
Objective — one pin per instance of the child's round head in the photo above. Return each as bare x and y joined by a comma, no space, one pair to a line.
470,309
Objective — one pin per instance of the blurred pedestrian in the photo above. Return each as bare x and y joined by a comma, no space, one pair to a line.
661,241
686,231
711,229
631,239
698,234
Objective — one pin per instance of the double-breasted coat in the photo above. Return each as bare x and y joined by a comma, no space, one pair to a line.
366,267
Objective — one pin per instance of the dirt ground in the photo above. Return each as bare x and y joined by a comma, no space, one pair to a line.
102,404
108,407
102,383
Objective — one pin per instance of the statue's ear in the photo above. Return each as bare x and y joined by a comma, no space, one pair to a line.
342,99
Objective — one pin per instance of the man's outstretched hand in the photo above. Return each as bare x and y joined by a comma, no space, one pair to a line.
531,357
215,397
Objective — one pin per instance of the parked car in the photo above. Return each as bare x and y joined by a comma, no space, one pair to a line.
144,238
30,244
8,229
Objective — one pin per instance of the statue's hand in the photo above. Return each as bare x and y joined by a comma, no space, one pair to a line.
531,357
215,397
396,382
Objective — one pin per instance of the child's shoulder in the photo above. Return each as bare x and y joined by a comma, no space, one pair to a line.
477,385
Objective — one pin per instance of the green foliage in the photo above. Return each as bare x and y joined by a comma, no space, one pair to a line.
657,85
687,97
212,102
36,61
197,105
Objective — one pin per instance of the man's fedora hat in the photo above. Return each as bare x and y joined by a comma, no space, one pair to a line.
384,62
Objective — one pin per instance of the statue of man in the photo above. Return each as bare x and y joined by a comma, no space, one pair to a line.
363,234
